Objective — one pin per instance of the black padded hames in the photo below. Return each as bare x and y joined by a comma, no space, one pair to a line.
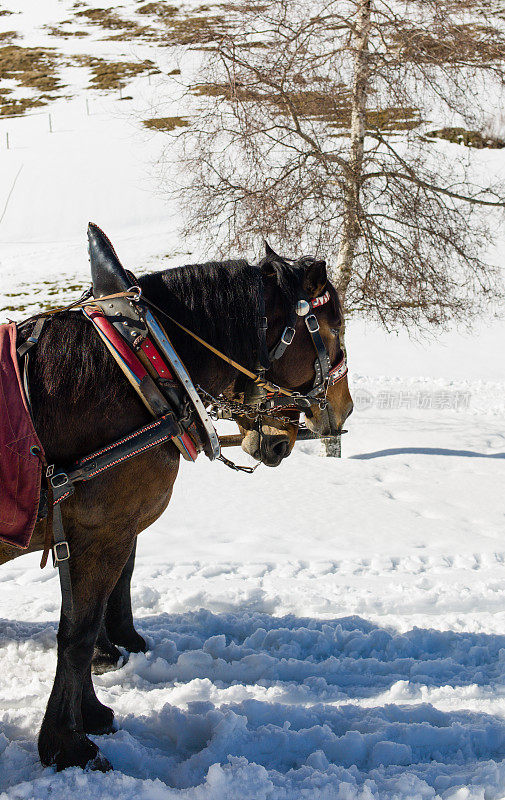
107,273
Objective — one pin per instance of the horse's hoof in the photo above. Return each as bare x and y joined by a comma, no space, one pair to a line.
97,719
99,764
106,660
66,749
131,641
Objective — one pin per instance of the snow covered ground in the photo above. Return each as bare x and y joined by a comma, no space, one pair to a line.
326,630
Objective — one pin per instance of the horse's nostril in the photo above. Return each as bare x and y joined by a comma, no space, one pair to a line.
281,448
274,449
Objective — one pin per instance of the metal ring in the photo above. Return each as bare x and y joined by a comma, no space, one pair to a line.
138,293
59,480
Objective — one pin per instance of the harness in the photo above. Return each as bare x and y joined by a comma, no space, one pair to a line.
325,374
182,412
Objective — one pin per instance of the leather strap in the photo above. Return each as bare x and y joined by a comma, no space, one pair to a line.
287,337
323,361
32,339
270,387
61,559
61,483
160,430
136,372
84,300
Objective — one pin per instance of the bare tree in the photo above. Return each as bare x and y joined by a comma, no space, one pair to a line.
313,126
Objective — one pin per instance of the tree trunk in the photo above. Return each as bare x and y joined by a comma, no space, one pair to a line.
332,447
351,212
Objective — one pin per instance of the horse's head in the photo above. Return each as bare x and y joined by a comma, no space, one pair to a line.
304,317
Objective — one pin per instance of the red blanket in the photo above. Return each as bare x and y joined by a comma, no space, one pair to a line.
20,467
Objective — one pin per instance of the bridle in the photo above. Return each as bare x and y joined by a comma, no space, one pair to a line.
326,375
272,397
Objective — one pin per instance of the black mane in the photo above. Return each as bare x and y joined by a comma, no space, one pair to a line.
221,301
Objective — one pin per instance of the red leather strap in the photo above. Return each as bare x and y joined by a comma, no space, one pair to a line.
155,359
117,341
160,367
135,366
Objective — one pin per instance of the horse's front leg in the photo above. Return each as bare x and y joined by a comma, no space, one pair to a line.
96,718
117,625
96,565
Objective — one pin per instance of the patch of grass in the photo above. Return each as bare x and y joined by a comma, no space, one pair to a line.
330,107
194,30
165,124
197,27
158,9
108,75
393,119
63,33
468,138
54,296
16,105
454,45
306,102
30,67
106,18
4,12
8,36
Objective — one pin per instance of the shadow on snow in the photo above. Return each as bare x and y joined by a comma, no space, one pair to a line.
425,451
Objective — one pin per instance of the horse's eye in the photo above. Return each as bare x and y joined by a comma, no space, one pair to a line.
335,331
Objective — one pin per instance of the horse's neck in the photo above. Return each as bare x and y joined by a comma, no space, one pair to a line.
206,369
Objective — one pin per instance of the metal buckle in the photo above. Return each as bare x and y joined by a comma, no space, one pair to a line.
59,480
266,404
65,554
288,335
300,400
312,323
49,471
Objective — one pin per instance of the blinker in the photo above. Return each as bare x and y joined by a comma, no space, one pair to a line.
302,308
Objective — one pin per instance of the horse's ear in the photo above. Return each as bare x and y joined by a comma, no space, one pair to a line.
267,263
270,252
315,278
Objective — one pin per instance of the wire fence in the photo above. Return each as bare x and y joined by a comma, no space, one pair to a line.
7,141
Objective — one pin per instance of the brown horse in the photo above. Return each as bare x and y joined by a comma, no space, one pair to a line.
81,401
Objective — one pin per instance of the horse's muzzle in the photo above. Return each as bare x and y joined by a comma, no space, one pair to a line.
273,449
270,449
